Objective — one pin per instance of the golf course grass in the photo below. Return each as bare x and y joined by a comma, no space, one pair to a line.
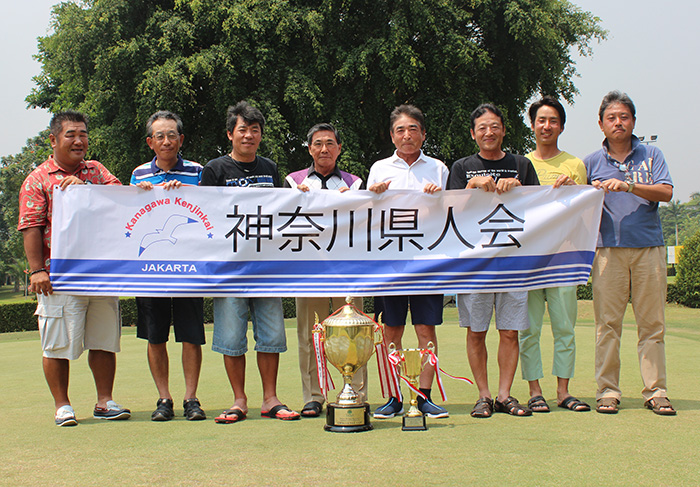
559,448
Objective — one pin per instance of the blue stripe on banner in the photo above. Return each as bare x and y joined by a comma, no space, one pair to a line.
296,278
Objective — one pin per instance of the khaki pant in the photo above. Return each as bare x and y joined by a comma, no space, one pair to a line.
306,307
617,272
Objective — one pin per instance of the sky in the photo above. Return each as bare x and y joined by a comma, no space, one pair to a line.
650,53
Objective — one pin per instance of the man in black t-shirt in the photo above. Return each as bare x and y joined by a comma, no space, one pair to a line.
244,168
493,170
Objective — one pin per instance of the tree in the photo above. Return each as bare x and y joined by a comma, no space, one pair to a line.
13,170
688,276
301,61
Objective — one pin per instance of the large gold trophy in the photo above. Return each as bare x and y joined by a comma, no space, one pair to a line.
412,363
349,338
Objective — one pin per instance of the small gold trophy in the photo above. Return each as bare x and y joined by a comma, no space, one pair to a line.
412,363
349,338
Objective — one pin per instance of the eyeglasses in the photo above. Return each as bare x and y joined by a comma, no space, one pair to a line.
160,136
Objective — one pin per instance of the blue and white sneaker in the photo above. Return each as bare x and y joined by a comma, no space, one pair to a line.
112,411
65,416
432,410
389,410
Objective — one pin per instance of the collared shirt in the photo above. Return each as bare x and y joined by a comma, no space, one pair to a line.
314,180
187,172
402,176
36,194
629,220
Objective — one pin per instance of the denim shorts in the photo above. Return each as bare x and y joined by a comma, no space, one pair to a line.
231,325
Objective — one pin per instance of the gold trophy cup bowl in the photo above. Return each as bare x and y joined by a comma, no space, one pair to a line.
349,339
412,364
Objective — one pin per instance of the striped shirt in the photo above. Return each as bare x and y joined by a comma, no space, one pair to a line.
187,172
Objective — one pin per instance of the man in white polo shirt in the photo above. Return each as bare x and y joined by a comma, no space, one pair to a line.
410,168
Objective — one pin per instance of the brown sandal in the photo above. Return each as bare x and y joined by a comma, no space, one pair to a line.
661,406
607,405
512,407
483,408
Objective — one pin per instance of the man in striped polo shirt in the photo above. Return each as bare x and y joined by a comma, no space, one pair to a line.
168,169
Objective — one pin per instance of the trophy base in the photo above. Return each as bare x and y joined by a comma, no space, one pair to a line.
347,419
414,423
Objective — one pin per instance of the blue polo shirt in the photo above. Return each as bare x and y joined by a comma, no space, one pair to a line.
628,220
187,172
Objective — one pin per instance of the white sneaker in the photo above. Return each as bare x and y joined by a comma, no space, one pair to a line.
65,416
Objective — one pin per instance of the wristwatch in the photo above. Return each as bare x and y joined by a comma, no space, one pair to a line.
630,187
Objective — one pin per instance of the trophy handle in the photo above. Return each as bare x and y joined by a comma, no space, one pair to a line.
319,328
379,331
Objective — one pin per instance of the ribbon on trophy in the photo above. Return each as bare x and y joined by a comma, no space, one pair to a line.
395,359
324,376
433,360
388,373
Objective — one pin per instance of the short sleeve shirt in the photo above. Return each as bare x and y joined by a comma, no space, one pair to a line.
36,194
549,170
627,219
402,176
187,172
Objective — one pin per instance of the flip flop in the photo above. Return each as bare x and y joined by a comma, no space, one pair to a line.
281,411
573,404
227,417
312,409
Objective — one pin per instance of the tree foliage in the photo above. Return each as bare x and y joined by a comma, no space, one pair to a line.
13,170
302,62
680,220
688,276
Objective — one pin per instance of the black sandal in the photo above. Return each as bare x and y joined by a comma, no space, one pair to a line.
483,408
538,405
312,409
511,406
574,404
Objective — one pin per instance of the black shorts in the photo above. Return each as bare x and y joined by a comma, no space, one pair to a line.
156,314
426,309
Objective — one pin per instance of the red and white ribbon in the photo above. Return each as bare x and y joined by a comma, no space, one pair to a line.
433,360
324,376
388,375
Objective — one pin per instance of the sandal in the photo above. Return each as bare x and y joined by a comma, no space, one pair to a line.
607,405
312,409
538,405
483,408
512,407
573,404
281,411
661,406
230,416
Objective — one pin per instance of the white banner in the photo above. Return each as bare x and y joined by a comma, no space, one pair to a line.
219,241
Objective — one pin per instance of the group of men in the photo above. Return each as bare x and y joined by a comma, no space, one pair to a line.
629,261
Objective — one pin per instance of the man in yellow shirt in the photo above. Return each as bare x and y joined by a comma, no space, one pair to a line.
556,168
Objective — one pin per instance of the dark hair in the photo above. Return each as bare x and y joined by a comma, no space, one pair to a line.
616,97
483,108
409,111
163,115
548,101
56,124
320,127
247,112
